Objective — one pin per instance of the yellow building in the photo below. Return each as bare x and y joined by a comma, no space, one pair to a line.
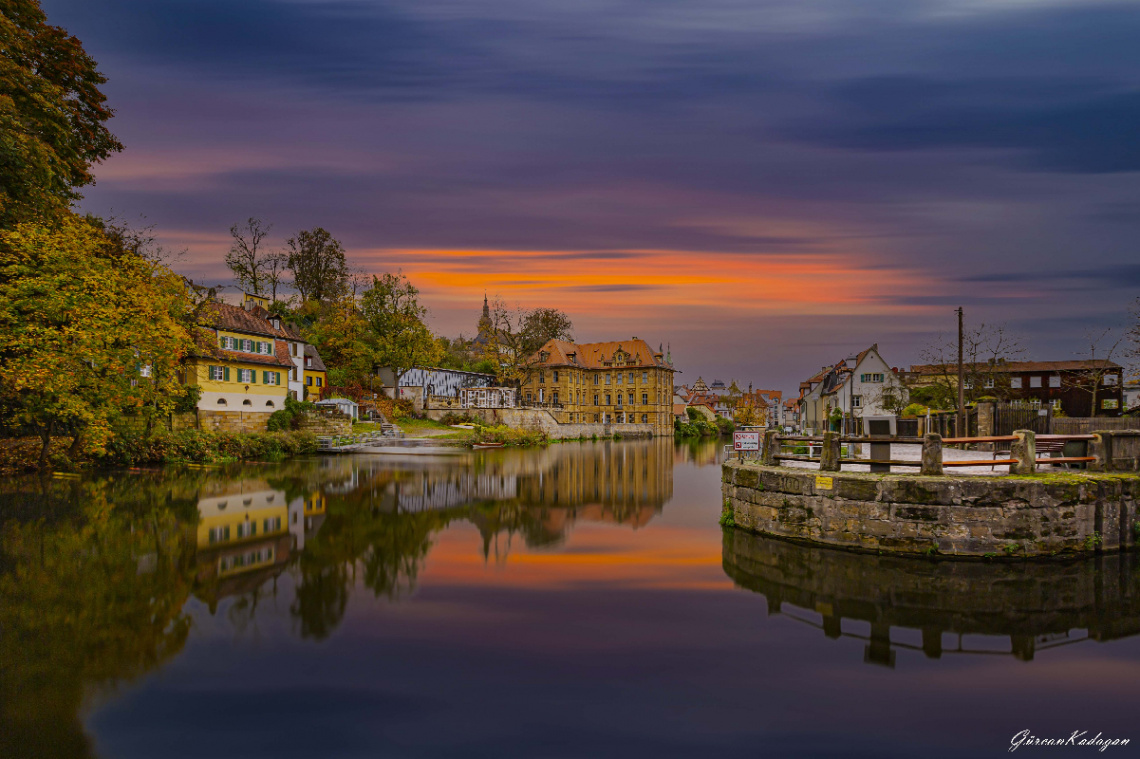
247,363
237,532
316,377
621,382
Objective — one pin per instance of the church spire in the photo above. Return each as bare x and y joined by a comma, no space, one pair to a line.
486,307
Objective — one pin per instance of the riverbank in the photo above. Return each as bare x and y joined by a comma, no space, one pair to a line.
21,455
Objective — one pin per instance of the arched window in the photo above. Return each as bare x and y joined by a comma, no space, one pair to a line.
221,401
269,404
247,402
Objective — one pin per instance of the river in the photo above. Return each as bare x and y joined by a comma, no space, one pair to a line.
573,601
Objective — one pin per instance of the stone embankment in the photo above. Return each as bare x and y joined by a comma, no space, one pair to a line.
542,420
974,516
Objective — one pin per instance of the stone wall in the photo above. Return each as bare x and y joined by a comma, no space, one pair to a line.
542,419
325,423
233,421
954,516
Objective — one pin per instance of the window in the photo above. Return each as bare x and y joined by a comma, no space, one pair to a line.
246,375
607,379
1054,380
219,373
857,401
631,399
269,404
542,377
272,525
1110,403
969,384
1035,381
645,376
308,360
555,398
989,383
645,399
595,401
247,529
530,399
644,418
1035,403
1056,404
219,534
555,375
1109,379
620,376
320,381
597,378
1015,383
309,381
247,402
608,399
221,401
631,378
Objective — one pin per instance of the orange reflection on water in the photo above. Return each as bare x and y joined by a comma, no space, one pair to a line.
675,558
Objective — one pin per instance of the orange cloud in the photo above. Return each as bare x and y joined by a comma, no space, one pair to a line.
627,282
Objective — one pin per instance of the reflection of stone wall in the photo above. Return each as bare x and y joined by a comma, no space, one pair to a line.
621,476
552,422
959,516
1028,602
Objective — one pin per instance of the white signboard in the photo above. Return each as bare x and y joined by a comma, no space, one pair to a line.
746,441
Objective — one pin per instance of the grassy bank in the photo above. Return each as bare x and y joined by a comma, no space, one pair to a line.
186,446
507,436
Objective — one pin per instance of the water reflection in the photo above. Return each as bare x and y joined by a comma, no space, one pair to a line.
94,573
945,607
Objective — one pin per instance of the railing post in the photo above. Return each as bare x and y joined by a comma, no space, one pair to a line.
1024,449
1101,448
829,452
771,447
932,454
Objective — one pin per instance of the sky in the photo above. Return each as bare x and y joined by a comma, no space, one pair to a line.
765,186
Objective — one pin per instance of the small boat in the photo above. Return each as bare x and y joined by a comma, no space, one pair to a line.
487,445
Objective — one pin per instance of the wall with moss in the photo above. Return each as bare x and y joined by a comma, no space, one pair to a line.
951,516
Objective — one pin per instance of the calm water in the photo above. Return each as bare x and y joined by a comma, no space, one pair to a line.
578,601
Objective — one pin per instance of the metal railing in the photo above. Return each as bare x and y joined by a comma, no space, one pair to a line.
1023,446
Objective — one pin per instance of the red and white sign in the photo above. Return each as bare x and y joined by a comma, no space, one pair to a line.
746,441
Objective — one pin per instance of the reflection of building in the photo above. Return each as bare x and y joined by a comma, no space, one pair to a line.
241,534
930,606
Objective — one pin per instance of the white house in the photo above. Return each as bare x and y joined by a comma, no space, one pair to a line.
864,387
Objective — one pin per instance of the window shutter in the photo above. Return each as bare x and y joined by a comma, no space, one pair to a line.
253,376
226,374
278,377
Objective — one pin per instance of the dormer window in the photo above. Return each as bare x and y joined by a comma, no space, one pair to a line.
543,356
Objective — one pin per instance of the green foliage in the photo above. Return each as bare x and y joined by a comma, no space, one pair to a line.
451,418
915,409
725,426
727,517
317,262
394,319
80,316
206,447
1092,541
508,436
52,116
395,410
289,417
693,414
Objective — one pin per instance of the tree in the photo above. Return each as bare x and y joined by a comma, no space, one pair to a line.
317,262
52,116
394,316
249,263
985,348
1091,380
80,321
542,325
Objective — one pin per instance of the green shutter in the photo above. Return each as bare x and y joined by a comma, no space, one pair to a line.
265,376
226,372
278,377
253,376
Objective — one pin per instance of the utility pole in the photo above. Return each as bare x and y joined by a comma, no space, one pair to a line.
961,431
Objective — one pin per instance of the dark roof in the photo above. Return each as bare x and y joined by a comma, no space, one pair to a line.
1013,367
317,365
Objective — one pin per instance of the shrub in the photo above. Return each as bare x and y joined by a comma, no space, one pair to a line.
508,436
394,410
289,417
451,418
725,426
915,409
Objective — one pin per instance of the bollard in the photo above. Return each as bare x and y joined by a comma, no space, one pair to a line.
1024,449
829,453
1100,447
932,454
771,448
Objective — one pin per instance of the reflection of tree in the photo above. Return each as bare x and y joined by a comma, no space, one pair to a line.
321,597
89,597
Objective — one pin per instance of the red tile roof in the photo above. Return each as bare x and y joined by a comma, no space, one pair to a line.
600,355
